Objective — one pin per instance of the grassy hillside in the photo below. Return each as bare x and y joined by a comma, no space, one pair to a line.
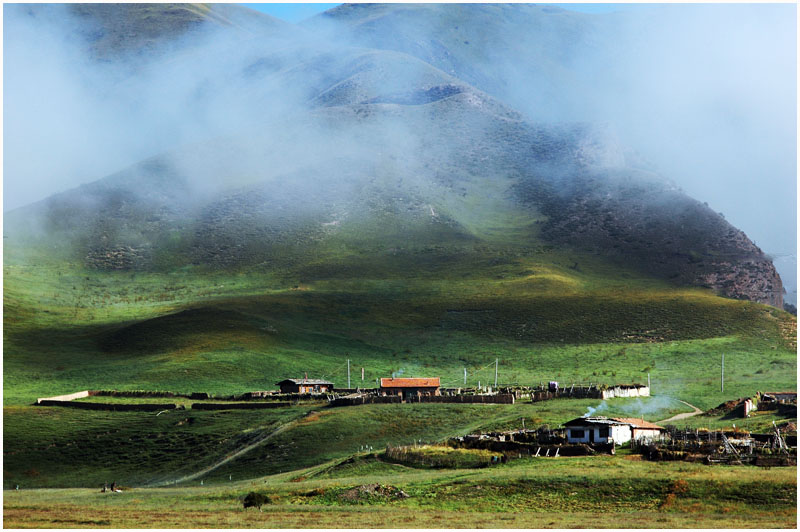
68,329
372,208
59,447
429,309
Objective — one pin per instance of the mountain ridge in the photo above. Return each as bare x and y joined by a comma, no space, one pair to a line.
389,119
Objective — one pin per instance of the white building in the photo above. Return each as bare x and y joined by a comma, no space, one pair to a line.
605,430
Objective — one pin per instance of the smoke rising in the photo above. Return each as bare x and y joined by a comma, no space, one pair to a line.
652,405
596,410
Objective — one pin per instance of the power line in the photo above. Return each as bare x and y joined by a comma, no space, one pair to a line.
470,373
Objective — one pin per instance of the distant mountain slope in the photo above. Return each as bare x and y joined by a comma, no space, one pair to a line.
141,31
516,52
391,146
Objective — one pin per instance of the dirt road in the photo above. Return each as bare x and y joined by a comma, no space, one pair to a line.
228,458
684,415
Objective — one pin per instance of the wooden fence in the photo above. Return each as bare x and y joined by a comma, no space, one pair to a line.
502,399
365,400
238,406
117,407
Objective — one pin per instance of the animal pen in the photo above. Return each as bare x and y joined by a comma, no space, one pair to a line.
722,447
587,391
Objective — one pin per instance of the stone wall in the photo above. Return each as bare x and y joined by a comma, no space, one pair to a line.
503,399
117,407
238,406
366,400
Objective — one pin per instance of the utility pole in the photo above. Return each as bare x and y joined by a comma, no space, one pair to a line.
495,373
362,374
465,376
348,373
722,376
648,384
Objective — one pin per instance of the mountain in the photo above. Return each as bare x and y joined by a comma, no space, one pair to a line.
368,190
478,42
336,198
138,32
407,138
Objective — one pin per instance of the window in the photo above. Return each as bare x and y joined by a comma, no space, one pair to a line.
577,433
602,432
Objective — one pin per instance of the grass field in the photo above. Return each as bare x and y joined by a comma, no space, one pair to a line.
430,310
61,447
236,333
603,492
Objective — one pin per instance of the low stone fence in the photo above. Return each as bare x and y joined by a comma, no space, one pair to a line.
238,406
348,391
271,396
118,407
134,393
503,399
366,400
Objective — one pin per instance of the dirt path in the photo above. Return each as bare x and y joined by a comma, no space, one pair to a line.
684,415
232,456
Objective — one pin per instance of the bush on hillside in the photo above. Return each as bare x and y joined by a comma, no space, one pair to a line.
440,456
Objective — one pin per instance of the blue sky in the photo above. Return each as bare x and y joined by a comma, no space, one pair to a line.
298,12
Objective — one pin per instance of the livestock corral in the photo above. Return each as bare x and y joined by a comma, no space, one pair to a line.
778,448
544,442
485,394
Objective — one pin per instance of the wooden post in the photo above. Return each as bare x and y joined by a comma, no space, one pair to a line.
722,377
348,373
495,372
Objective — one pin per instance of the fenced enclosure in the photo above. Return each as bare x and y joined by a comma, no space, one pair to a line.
721,447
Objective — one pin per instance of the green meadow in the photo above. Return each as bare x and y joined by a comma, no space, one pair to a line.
595,492
428,311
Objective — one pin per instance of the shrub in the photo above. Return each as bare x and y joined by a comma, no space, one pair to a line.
256,500
439,456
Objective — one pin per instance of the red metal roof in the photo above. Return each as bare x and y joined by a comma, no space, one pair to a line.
637,423
432,382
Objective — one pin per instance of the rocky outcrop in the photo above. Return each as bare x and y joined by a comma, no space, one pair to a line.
644,222
118,258
754,280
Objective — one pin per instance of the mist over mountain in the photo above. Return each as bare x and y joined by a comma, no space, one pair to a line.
215,137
